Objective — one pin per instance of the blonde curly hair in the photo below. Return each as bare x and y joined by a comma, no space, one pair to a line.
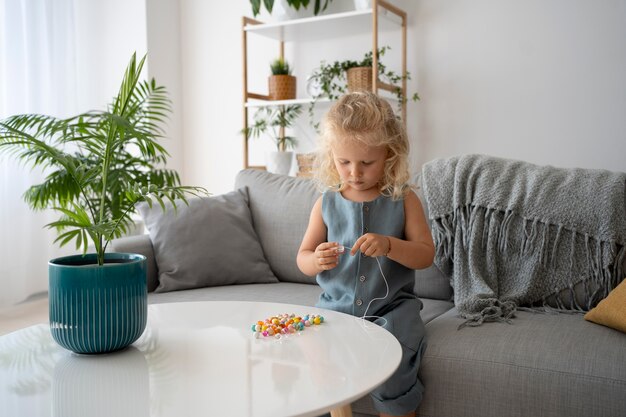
365,118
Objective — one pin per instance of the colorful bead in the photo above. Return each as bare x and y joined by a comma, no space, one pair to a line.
284,324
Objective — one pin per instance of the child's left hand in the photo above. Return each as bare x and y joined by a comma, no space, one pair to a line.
372,244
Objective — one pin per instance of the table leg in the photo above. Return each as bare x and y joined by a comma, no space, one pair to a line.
344,411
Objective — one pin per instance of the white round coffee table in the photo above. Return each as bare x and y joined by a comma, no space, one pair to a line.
200,359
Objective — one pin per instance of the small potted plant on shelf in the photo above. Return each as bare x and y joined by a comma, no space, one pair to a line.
318,5
274,120
99,164
331,80
282,85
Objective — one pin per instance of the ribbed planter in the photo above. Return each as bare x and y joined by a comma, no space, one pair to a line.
97,309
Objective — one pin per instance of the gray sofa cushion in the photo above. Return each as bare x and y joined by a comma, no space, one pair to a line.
280,208
541,365
206,243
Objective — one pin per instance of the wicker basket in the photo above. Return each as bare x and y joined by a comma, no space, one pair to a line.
359,79
305,164
282,87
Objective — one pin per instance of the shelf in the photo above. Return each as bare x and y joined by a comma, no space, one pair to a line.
267,103
323,27
331,27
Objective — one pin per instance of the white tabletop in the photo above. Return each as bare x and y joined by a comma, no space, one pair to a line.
200,359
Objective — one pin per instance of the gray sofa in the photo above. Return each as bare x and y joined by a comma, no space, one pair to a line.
539,365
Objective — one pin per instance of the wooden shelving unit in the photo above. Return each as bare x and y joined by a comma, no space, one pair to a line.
383,16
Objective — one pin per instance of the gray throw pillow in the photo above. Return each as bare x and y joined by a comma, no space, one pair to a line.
208,243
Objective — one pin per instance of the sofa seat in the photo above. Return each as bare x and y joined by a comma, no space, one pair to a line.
541,364
282,292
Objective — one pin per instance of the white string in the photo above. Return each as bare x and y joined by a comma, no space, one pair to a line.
379,298
341,249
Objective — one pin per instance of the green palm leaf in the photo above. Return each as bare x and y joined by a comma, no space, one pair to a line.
99,164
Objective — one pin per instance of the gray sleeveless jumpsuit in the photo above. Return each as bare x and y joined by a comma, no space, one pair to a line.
357,280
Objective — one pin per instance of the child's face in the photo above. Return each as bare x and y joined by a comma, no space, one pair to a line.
360,167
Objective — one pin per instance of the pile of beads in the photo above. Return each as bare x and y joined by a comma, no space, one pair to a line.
283,324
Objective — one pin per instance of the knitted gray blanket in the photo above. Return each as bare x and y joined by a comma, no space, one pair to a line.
509,233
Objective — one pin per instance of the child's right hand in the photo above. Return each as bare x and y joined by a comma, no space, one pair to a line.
327,255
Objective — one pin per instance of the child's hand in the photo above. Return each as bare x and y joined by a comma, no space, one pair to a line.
372,244
327,256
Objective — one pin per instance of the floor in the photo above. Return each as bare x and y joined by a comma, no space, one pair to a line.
27,313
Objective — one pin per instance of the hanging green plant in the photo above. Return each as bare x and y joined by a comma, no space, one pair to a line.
331,81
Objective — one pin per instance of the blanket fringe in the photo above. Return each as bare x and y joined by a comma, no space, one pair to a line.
604,260
497,311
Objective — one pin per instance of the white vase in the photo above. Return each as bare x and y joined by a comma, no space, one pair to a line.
279,162
283,11
362,4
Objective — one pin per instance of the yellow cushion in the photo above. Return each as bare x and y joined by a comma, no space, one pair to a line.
611,311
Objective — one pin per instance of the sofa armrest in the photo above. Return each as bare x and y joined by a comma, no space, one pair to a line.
142,245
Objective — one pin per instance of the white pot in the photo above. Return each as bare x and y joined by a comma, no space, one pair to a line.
362,4
279,162
283,11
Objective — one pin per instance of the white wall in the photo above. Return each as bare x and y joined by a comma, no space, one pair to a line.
107,33
540,80
211,91
165,66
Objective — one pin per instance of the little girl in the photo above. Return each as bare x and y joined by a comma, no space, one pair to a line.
370,209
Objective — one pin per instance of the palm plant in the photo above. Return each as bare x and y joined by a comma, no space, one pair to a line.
274,120
99,164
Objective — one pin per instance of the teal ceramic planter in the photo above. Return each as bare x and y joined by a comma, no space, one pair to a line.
97,309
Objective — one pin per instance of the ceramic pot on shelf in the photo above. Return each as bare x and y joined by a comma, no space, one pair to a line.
279,162
282,87
362,4
283,11
359,79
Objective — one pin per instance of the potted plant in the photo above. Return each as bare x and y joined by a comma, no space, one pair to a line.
282,85
319,5
274,120
99,165
331,80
